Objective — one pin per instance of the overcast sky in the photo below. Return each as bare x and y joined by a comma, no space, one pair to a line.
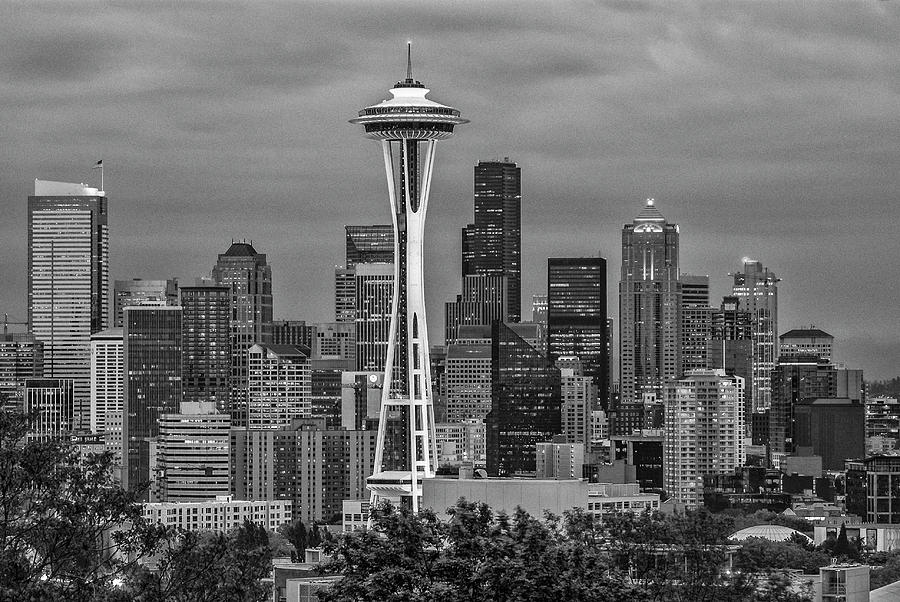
767,129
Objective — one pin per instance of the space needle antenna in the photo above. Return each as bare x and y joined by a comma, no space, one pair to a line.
409,61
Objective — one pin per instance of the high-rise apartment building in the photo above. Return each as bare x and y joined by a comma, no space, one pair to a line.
21,358
364,244
492,245
576,316
704,432
153,354
578,393
757,289
206,340
279,387
696,322
249,276
68,281
193,453
107,376
526,403
138,291
649,306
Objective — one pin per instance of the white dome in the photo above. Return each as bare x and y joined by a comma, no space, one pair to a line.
770,532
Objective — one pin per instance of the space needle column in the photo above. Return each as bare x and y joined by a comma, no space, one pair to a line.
408,126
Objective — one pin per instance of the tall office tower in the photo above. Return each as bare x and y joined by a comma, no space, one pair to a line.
482,301
806,341
68,281
696,322
374,296
730,347
492,245
107,376
335,341
152,386
832,428
578,393
194,453
525,403
364,244
408,126
249,277
576,316
206,340
539,309
438,357
293,332
757,289
21,358
704,432
649,306
314,467
279,386
468,382
794,380
138,291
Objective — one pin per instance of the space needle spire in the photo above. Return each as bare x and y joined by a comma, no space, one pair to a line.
408,125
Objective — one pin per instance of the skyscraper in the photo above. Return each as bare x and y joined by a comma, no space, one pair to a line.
206,366
730,347
249,277
649,305
704,432
194,453
806,341
50,400
408,126
68,281
279,386
795,380
576,316
492,245
107,374
482,301
526,403
696,322
138,291
757,288
364,245
153,355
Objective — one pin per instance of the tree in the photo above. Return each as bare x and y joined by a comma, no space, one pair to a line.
759,555
842,547
296,534
60,519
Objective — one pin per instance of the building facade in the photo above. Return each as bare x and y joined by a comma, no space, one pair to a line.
51,400
138,291
696,323
193,453
152,350
21,358
206,341
68,281
649,306
279,386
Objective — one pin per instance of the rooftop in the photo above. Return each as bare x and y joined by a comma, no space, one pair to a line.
805,333
241,249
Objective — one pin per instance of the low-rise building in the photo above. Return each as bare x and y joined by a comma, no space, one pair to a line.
220,515
356,515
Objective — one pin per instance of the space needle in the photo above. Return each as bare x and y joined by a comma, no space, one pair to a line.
408,126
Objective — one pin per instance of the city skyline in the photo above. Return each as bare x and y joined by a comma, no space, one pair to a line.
206,140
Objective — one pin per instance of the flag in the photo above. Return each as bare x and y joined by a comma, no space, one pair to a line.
98,165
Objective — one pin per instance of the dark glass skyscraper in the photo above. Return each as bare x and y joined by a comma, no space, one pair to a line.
696,322
526,403
207,345
249,277
796,380
369,244
492,245
153,355
576,316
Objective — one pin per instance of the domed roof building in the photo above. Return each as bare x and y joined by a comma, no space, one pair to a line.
770,532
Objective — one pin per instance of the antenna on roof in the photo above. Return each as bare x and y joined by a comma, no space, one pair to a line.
409,61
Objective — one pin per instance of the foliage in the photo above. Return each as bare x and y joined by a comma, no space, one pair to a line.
479,555
67,532
886,574
767,517
843,548
758,554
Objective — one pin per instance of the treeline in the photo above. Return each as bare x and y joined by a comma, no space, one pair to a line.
889,388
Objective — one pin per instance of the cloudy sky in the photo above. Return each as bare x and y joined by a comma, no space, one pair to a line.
769,130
